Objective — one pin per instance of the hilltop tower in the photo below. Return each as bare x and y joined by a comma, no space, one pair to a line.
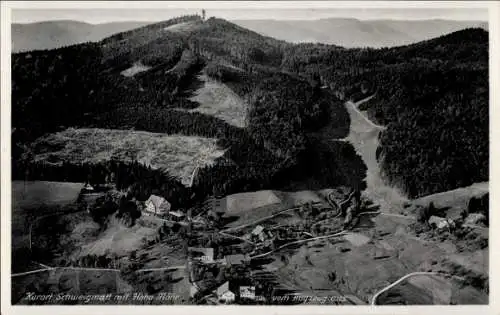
203,13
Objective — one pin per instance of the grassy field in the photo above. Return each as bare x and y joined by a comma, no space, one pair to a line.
454,200
175,153
244,202
117,239
218,100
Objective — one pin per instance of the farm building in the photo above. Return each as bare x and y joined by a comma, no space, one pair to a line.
88,188
157,205
224,294
205,255
247,292
219,206
439,222
259,233
236,259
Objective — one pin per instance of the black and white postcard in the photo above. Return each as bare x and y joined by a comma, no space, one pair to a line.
233,154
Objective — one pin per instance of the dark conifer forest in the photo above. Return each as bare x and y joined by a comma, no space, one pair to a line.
431,96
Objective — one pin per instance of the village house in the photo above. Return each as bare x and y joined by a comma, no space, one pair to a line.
260,234
205,255
440,223
88,188
247,292
157,205
176,216
218,208
224,294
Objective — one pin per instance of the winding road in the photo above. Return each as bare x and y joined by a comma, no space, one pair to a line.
413,274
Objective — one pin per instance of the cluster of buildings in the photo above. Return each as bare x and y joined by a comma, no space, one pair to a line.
227,292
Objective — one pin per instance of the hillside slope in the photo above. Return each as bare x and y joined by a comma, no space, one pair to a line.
150,79
55,34
432,97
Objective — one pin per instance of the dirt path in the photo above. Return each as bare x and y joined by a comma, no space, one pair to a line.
364,136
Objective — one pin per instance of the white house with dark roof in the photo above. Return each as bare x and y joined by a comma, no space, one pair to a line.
258,232
157,205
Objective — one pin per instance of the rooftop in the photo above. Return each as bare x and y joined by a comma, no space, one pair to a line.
176,213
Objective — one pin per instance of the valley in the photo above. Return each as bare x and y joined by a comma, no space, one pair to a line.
219,166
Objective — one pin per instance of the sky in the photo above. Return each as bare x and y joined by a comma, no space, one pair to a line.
137,14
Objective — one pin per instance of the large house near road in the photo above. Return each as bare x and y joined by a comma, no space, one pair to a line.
157,205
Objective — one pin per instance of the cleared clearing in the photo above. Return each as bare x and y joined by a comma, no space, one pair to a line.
218,100
176,154
135,69
183,27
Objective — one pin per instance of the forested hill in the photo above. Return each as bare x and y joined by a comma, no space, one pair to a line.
433,96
